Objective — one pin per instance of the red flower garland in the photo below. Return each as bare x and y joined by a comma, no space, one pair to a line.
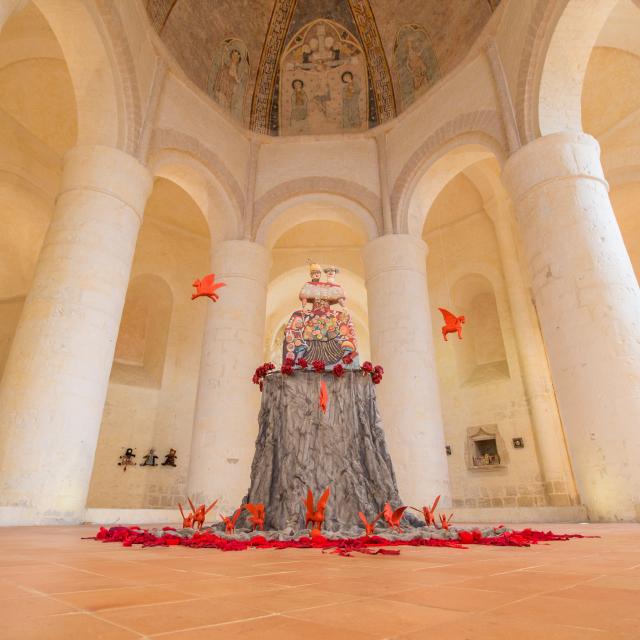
261,372
338,371
318,365
302,363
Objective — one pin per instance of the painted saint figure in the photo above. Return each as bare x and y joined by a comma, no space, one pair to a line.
320,332
350,102
299,106
228,77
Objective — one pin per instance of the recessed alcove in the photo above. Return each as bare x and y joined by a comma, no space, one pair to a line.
485,448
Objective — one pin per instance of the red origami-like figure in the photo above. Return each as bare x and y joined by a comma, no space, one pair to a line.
207,287
393,517
316,515
445,520
257,515
324,397
452,324
230,523
429,514
370,527
200,513
187,521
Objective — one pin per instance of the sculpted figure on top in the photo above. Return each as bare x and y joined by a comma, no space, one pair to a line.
317,331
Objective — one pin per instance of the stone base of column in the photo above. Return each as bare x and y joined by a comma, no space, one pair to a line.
27,516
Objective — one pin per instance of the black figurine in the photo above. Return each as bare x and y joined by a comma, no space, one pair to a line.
150,459
126,459
170,458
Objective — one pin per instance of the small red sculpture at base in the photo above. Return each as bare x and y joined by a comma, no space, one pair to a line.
392,517
200,513
207,287
429,514
316,515
452,323
230,523
187,521
257,515
324,397
370,527
445,520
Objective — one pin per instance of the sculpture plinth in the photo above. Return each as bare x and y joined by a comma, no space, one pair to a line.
300,447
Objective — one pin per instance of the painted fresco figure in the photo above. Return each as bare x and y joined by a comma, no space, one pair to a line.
299,106
229,75
321,332
350,102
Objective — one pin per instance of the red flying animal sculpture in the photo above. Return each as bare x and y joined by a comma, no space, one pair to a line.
230,523
393,517
257,515
200,513
316,515
324,397
445,520
207,287
370,527
187,521
452,323
429,514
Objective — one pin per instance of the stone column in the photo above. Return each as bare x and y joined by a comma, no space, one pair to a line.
588,303
553,457
8,8
226,414
401,341
55,382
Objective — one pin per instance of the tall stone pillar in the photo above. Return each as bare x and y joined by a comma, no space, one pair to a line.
401,341
588,303
226,414
556,470
55,381
8,8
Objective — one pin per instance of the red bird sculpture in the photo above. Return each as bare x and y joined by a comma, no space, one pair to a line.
324,397
370,527
187,521
257,515
445,520
429,514
316,515
393,517
230,523
200,513
452,323
207,287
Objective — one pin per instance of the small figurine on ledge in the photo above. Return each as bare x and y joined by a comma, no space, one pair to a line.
126,459
170,458
150,459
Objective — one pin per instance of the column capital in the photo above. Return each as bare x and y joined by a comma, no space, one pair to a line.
558,156
109,171
394,252
241,259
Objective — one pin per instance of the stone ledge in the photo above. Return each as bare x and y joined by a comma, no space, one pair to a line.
132,516
512,515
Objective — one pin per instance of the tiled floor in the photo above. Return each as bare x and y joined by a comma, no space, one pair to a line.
55,585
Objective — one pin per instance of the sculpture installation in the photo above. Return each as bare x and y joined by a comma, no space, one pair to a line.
452,323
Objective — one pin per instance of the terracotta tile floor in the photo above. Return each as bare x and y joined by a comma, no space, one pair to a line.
55,585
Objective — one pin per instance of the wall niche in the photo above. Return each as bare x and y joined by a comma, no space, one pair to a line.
485,448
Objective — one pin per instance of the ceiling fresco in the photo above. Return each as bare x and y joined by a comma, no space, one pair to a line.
291,67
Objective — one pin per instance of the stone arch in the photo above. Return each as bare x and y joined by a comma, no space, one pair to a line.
554,62
101,97
362,205
203,176
482,130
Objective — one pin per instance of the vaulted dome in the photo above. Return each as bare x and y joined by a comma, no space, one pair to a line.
287,67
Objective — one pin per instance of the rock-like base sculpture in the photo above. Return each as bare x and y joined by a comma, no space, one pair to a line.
300,447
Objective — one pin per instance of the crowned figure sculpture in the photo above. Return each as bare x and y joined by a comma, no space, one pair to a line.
318,331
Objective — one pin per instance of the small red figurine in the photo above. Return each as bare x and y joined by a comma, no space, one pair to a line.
452,324
200,513
370,527
316,515
187,521
429,514
207,287
230,523
393,517
445,520
324,397
257,515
